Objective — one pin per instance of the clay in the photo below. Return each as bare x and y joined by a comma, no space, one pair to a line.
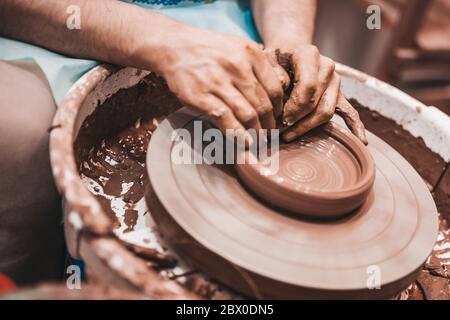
441,193
117,162
122,112
325,173
281,256
428,164
114,160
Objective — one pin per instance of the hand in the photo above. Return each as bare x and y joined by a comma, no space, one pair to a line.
228,78
315,94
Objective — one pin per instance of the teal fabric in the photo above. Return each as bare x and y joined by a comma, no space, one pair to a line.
227,16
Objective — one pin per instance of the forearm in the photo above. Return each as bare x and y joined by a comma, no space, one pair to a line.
110,30
285,24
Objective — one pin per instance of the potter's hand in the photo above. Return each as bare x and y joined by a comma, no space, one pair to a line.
315,94
315,90
228,78
351,118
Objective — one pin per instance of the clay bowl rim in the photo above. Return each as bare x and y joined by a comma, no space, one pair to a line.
349,141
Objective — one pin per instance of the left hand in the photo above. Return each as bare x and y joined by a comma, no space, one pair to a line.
315,94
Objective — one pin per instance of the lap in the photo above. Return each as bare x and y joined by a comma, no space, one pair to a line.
31,242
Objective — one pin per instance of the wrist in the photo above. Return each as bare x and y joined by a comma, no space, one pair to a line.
152,42
288,44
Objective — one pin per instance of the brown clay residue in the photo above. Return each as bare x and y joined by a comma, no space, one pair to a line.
117,165
112,143
433,282
427,163
130,219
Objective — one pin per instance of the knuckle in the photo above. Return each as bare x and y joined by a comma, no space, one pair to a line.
324,81
275,91
203,101
331,66
252,47
329,113
185,97
264,109
326,115
249,115
314,50
217,113
308,86
328,64
217,81
307,83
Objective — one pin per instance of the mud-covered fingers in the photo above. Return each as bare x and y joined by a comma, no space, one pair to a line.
222,116
351,118
324,76
258,98
239,105
322,114
281,73
264,107
326,73
268,76
305,65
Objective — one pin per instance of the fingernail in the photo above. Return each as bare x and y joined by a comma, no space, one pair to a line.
364,140
288,121
289,136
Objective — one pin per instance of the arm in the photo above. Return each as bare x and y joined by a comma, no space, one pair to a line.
227,77
284,24
106,28
288,26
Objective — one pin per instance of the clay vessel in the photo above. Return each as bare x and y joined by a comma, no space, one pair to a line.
326,173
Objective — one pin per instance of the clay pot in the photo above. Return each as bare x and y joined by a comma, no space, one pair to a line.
324,174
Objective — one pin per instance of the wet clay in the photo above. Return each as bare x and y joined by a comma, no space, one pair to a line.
325,173
428,164
117,166
318,162
283,256
112,145
148,101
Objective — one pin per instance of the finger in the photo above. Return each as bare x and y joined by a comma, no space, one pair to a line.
241,108
351,118
255,94
326,72
281,73
271,76
300,103
222,116
270,83
323,113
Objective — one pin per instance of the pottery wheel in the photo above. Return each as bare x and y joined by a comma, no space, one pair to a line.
266,253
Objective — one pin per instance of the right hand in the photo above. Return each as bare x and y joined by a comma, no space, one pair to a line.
228,78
